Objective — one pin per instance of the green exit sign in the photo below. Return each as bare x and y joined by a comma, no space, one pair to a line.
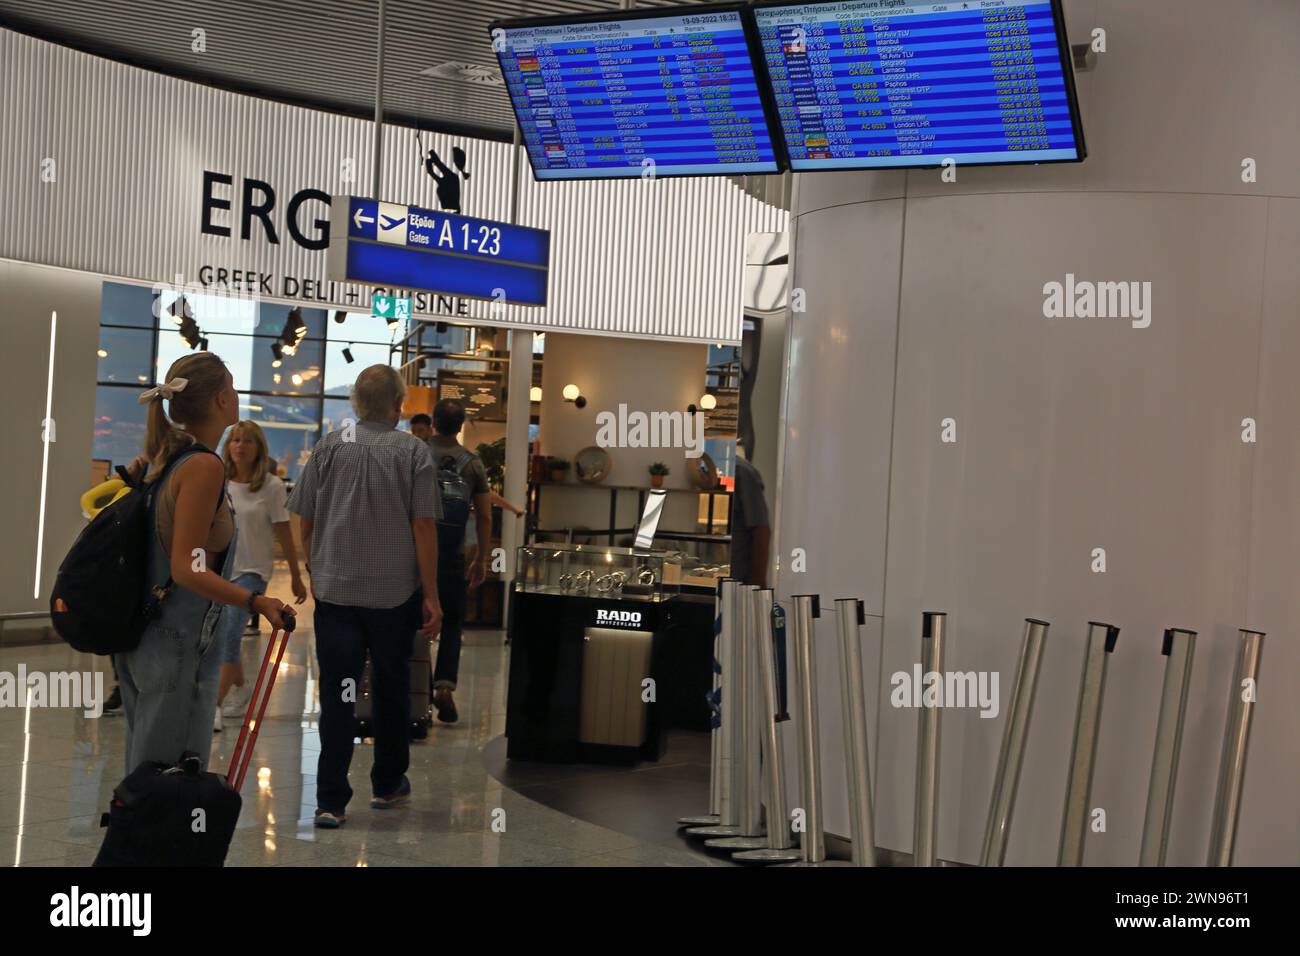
390,308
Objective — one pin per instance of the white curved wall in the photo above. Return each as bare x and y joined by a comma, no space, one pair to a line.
925,302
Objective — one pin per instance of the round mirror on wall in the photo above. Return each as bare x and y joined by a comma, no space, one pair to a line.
703,473
592,464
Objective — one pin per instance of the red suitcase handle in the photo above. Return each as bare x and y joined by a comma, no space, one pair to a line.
253,725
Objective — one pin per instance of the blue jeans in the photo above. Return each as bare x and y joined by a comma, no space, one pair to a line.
169,691
451,595
234,619
343,636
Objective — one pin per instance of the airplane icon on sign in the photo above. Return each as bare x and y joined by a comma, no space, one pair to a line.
391,222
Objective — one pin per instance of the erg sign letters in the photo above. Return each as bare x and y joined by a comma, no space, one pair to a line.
257,201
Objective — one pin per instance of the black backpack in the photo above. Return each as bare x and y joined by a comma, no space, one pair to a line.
455,490
101,600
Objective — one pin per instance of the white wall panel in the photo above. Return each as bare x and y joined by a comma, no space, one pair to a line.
659,258
1073,434
1273,771
1076,433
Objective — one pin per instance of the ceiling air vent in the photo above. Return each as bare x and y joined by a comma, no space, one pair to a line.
474,73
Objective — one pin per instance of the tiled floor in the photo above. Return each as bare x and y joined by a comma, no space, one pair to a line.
58,769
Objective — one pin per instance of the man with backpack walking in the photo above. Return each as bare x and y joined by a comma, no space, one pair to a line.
463,484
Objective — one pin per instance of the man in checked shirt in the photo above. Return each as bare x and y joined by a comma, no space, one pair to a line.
369,504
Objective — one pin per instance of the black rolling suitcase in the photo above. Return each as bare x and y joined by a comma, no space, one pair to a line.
181,815
421,694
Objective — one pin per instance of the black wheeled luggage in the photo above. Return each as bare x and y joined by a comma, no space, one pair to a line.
181,815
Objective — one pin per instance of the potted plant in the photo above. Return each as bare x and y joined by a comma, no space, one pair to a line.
558,468
657,472
493,457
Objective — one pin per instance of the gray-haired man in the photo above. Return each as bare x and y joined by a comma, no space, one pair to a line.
369,503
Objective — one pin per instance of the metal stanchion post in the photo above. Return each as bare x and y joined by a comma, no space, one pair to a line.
853,700
925,821
1179,645
749,834
807,607
1083,756
716,776
1236,739
729,773
779,847
1003,802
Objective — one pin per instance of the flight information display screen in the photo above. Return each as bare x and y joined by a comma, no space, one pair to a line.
866,84
636,96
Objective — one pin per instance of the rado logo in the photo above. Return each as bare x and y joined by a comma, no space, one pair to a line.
619,618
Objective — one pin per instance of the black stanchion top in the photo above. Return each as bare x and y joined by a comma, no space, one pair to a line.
927,619
1168,643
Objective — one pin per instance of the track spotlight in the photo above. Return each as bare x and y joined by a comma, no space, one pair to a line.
295,329
347,353
340,316
180,310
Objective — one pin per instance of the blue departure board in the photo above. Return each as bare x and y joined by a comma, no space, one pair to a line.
864,84
636,96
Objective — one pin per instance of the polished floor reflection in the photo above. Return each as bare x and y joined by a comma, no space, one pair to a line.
58,769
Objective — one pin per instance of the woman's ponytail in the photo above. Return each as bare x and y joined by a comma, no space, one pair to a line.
204,376
162,439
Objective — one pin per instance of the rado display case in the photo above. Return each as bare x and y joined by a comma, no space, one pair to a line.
596,571
608,648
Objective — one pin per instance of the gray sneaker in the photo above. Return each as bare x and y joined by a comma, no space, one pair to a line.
398,797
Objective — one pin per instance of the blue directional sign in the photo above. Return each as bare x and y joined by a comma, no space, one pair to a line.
406,247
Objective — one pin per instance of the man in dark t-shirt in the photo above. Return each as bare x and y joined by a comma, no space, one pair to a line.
460,475
751,530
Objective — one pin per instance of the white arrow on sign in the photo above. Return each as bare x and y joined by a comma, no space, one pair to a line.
381,306
359,219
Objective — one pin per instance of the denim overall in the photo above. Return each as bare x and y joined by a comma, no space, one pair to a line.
169,682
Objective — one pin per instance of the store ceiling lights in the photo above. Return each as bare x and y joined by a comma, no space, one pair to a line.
708,402
573,394
535,394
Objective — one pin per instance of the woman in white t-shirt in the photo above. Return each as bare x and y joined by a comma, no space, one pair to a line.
258,499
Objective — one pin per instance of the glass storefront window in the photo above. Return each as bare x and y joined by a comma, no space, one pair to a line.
307,394
124,356
291,425
119,424
361,327
126,305
251,362
334,411
340,374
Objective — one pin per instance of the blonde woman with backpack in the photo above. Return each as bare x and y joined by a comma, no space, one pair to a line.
258,497
169,681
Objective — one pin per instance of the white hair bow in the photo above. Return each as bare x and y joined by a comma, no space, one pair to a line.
167,390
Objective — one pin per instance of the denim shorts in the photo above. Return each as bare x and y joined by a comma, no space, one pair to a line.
235,619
